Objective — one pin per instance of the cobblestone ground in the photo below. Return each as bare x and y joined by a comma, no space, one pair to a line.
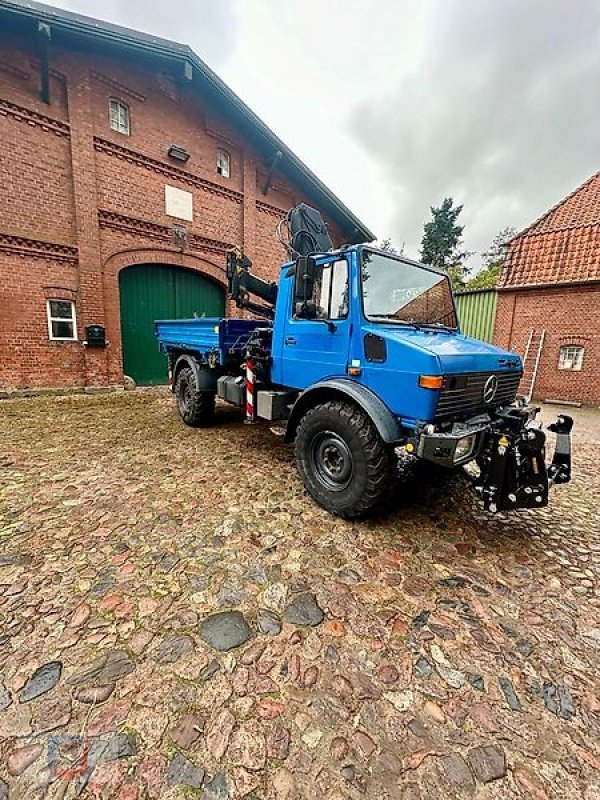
432,652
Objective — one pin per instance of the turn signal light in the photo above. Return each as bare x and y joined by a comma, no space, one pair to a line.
431,381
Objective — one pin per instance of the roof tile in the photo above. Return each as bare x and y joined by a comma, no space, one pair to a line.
561,246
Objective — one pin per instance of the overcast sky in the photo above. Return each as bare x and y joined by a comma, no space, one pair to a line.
396,104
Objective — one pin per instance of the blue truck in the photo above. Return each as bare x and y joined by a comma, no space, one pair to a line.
359,354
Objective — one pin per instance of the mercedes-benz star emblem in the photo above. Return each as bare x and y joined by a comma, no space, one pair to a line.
490,388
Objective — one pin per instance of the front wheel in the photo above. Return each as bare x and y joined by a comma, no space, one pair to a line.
196,408
345,465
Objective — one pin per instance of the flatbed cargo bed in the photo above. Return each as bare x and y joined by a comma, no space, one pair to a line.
206,334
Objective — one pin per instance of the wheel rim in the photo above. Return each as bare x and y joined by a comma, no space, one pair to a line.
332,461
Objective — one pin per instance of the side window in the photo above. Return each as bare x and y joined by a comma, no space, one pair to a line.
223,163
118,113
570,357
330,294
62,325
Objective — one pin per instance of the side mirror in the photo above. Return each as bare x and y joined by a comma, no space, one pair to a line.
305,274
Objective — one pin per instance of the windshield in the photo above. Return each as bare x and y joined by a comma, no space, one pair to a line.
398,290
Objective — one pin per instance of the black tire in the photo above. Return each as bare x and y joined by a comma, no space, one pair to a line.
345,465
196,408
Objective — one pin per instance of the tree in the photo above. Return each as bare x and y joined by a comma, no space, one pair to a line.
441,245
493,261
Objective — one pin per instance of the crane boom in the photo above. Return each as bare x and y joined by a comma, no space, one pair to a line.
241,284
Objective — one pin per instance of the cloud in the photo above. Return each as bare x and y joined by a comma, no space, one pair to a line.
399,103
208,26
497,107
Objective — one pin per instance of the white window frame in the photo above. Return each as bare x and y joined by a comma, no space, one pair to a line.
52,319
570,357
223,156
121,110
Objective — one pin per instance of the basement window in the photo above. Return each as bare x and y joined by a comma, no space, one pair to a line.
62,326
119,116
223,163
571,357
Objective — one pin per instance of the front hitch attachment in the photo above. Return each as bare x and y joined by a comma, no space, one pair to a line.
559,470
512,461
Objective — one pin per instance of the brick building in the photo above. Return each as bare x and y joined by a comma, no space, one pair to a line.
127,170
551,285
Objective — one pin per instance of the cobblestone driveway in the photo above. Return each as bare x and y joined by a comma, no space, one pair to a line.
429,653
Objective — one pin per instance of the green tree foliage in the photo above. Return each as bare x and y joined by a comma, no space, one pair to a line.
493,261
486,278
442,245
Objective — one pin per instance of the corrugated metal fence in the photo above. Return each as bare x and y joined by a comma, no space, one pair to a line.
477,312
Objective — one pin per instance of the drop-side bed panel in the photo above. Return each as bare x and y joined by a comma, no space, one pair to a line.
205,334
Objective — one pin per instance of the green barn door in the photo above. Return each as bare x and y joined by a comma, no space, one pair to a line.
196,296
155,291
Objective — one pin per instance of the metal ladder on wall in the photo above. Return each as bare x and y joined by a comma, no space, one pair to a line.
531,362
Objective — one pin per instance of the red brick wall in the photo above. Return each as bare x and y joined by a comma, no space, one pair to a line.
79,201
569,315
27,357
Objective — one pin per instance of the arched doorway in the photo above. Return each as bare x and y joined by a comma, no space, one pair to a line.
149,292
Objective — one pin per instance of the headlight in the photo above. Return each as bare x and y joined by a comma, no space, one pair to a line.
464,447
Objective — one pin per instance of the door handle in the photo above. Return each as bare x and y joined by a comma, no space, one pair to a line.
290,340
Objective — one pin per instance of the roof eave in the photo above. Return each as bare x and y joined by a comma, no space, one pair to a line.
155,46
289,156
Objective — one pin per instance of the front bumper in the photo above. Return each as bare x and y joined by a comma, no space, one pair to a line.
452,447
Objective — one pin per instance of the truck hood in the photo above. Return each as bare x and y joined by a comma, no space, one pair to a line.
455,353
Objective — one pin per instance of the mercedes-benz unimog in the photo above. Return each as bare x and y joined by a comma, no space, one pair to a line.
359,354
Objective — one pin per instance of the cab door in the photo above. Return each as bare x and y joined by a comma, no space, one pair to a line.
318,348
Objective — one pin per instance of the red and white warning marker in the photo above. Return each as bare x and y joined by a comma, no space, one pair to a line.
250,393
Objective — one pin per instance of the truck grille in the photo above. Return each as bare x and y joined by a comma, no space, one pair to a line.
462,395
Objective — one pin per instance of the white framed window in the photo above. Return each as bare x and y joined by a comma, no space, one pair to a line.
118,113
223,163
570,357
62,325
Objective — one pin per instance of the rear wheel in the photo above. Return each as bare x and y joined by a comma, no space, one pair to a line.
196,408
345,465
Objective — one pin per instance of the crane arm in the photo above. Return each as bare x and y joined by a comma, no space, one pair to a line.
241,284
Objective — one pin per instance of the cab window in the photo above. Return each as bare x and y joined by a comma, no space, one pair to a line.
330,294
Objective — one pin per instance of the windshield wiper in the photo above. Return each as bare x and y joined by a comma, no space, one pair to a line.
413,323
435,324
394,318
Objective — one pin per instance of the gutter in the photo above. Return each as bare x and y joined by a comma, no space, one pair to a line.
556,285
